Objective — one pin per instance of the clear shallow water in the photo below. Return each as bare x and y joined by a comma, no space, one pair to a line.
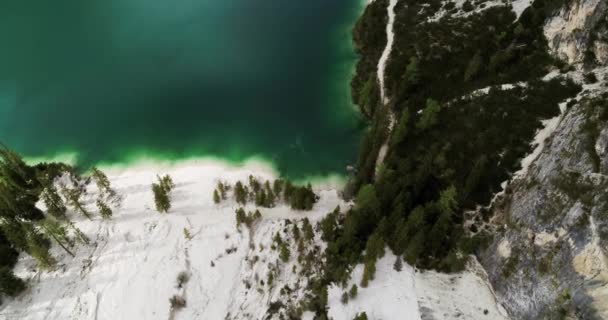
111,79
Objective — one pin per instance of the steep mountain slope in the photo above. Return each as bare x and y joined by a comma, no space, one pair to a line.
548,258
131,268
546,232
553,226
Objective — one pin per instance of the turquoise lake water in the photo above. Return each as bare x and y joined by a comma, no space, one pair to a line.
113,79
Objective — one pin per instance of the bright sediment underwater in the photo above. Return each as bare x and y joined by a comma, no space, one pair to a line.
110,81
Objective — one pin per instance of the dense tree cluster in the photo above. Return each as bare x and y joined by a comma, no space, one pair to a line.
162,193
468,96
267,195
369,36
106,193
246,218
24,227
19,191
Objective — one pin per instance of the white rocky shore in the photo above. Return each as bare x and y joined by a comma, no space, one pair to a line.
129,270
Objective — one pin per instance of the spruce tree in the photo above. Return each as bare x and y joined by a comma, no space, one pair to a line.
401,131
295,231
369,271
79,235
352,293
162,191
52,228
429,115
101,180
415,247
72,196
288,189
105,189
216,197
240,193
284,252
241,217
344,298
53,202
222,190
38,246
277,187
257,215
104,209
309,234
260,198
361,316
254,184
374,248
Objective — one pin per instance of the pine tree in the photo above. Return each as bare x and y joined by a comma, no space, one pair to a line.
167,182
162,190
79,235
352,293
270,196
260,198
17,175
309,234
288,189
429,115
53,202
257,215
105,189
415,247
52,228
240,193
277,187
241,217
254,184
216,197
277,239
72,197
302,198
367,201
104,209
101,180
401,131
38,247
369,272
284,253
344,298
412,74
361,316
295,231
222,191
374,248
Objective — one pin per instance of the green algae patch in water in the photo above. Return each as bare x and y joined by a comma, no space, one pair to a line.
104,80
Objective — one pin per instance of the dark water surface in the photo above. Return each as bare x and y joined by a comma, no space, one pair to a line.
114,79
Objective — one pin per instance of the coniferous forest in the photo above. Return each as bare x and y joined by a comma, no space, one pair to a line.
467,96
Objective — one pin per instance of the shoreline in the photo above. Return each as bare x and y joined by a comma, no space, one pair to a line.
212,166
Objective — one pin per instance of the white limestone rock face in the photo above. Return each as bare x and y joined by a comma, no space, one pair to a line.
556,227
577,29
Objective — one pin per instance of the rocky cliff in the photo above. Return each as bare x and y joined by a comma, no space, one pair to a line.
548,258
